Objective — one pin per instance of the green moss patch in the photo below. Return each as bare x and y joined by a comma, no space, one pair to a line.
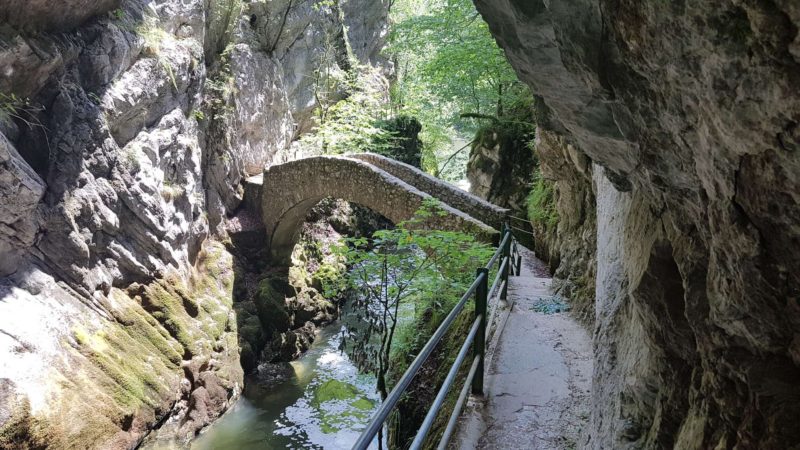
127,369
22,431
363,404
334,390
271,306
542,203
352,406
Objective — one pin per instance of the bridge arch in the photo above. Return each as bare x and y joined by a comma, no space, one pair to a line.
291,189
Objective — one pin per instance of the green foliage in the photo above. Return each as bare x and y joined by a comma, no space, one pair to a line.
541,202
322,4
330,278
222,17
170,191
352,124
132,162
170,72
18,108
448,47
401,276
153,36
220,87
404,144
94,98
448,64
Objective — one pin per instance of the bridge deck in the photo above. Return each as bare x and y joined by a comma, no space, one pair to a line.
538,377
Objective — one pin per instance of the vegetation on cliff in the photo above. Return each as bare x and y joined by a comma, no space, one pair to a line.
404,282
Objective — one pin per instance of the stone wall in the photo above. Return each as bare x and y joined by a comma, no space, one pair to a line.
689,112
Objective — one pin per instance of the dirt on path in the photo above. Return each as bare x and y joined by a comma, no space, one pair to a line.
539,375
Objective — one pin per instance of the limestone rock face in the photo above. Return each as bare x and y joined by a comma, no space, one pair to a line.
125,136
44,14
500,167
20,191
307,38
555,179
689,113
570,245
271,75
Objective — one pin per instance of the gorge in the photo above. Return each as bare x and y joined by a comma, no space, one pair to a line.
141,283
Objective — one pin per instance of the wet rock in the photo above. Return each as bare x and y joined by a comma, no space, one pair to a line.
273,373
291,344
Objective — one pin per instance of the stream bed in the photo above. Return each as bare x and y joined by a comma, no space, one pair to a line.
323,404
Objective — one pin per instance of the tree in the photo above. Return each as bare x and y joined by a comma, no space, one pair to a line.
449,67
400,276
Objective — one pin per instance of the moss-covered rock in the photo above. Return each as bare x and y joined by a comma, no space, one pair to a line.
404,145
502,161
350,405
21,430
119,373
333,390
271,305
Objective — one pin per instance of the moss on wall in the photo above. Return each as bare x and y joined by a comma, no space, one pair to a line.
121,374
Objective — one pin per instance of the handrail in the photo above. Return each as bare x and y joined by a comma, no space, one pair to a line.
448,381
462,397
506,236
510,260
497,280
391,400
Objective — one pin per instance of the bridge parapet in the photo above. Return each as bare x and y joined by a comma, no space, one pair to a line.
460,199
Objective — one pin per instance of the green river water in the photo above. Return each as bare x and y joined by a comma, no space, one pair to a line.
324,405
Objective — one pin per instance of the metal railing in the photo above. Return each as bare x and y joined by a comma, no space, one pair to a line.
509,260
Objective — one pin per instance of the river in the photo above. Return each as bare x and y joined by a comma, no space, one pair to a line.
324,404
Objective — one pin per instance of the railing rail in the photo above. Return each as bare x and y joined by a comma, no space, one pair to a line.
508,259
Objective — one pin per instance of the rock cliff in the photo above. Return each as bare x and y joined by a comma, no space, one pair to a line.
688,112
547,184
126,130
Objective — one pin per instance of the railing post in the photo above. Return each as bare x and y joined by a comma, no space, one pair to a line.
479,345
504,275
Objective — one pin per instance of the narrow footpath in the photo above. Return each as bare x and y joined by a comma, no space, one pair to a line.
540,369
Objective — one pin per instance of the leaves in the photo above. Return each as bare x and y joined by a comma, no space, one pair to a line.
542,203
402,276
448,64
350,101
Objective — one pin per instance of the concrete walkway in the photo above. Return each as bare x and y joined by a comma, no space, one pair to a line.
537,385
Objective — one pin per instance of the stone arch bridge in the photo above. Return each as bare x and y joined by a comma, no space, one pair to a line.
286,192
